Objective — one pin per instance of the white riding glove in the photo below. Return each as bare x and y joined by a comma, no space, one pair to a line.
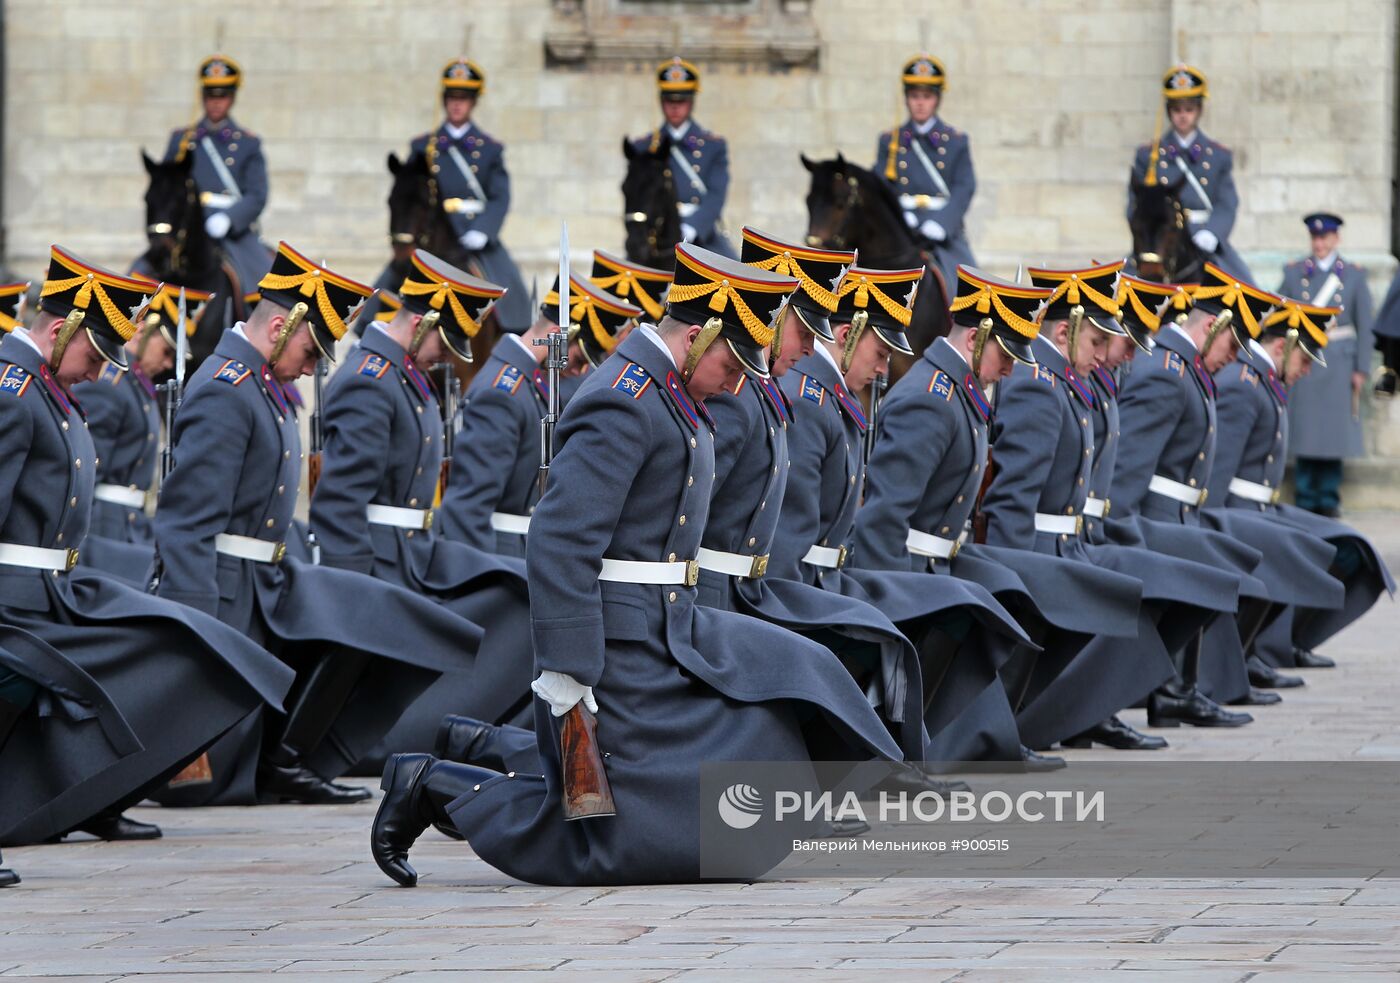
562,692
911,220
687,232
217,225
474,240
932,230
1205,240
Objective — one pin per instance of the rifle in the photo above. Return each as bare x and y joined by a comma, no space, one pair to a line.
587,793
452,397
316,427
980,518
872,429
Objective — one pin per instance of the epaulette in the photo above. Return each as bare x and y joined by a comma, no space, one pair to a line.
15,380
374,365
1174,363
1249,375
233,372
941,384
1044,374
508,379
111,374
633,380
485,137
813,390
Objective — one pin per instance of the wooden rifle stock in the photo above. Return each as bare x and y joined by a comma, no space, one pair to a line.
587,793
313,473
979,517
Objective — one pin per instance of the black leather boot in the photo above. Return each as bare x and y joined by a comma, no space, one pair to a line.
1308,659
1035,761
111,825
282,778
468,741
1175,704
1265,676
1255,697
911,779
417,789
8,878
1117,735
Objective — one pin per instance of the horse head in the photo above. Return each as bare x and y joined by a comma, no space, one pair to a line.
410,205
174,218
849,207
649,203
1162,246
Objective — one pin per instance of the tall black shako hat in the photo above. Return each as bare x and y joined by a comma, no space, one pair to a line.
1233,302
817,271
882,300
644,286
104,304
326,300
1304,325
1081,293
595,316
450,300
12,305
998,309
729,300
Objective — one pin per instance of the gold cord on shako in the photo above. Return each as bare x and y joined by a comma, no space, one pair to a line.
450,301
296,283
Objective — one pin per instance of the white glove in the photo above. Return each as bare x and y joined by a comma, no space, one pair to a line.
1205,240
562,692
932,230
474,240
687,232
911,220
217,225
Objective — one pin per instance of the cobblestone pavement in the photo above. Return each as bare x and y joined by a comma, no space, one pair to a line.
291,892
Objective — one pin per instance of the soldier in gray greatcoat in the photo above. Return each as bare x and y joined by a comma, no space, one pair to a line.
928,165
1324,408
1253,399
612,558
964,635
1199,170
364,649
166,680
371,510
229,170
699,158
496,457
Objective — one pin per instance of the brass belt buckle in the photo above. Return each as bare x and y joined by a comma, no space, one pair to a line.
279,552
759,567
841,554
451,205
1202,502
954,551
1107,504
427,520
71,561
205,197
1079,524
692,572
1278,493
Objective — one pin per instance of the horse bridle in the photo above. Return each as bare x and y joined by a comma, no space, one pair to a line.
165,228
654,225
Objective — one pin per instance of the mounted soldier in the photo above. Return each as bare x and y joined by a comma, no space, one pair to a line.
928,165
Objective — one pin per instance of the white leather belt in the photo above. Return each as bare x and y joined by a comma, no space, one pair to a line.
37,557
132,498
1096,508
248,548
680,573
927,544
506,522
217,199
1197,216
934,202
1176,491
734,564
1342,332
1253,491
463,206
1060,525
687,208
392,515
829,557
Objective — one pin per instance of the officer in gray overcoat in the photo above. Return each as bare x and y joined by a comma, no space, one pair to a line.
1198,170
229,170
364,648
1324,407
371,510
613,572
928,165
964,635
1253,397
496,456
177,677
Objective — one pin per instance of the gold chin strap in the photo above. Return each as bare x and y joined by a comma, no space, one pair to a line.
848,352
425,324
151,325
1076,318
1289,346
69,328
289,327
776,347
700,345
1221,322
979,343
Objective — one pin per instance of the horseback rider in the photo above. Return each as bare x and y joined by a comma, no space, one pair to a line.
1195,168
699,158
929,166
468,170
229,170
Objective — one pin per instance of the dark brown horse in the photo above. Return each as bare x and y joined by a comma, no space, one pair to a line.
649,205
417,220
1162,246
178,251
849,207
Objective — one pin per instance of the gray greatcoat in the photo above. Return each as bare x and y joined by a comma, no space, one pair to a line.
819,508
701,188
383,446
1325,418
237,465
947,150
677,683
178,677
